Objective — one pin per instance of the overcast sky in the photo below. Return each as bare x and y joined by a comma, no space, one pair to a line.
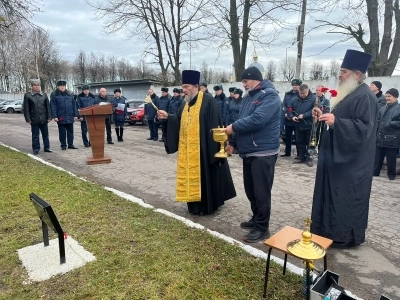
73,26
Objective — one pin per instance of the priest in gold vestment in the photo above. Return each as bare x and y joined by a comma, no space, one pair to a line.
202,180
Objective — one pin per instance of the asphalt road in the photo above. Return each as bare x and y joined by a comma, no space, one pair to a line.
143,169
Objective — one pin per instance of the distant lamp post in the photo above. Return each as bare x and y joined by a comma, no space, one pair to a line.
36,61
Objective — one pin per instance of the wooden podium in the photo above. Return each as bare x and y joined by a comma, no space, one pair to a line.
95,120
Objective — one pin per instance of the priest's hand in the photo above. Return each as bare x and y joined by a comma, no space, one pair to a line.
316,112
228,130
328,118
162,114
229,149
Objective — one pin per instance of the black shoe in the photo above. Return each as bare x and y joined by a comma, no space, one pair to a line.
296,157
298,161
256,235
63,148
87,145
285,154
247,225
155,140
150,139
48,150
392,178
72,147
110,142
35,152
376,175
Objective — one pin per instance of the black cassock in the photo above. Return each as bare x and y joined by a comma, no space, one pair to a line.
344,172
216,180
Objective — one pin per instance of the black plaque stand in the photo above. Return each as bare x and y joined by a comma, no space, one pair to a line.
48,218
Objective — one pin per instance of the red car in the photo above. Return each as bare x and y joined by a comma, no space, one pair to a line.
136,115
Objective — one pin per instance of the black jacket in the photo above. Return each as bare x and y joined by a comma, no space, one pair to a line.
299,106
36,108
389,126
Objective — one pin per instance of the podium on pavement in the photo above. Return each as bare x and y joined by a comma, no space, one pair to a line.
95,119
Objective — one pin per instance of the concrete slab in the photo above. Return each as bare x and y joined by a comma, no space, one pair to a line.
42,262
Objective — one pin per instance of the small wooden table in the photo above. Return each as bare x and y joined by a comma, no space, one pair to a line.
280,240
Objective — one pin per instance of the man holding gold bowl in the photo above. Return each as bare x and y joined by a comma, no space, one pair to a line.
202,180
255,136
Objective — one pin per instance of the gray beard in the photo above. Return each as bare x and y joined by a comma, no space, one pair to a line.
343,90
190,97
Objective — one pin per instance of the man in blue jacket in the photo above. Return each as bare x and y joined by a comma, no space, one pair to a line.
287,124
85,99
300,111
255,136
65,113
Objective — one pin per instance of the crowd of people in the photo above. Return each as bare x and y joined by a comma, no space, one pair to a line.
63,108
354,131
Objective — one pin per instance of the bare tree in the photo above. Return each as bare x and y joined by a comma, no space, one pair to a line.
288,68
236,23
164,25
362,22
17,12
334,67
271,71
316,71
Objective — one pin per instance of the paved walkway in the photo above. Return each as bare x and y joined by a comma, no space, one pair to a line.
143,169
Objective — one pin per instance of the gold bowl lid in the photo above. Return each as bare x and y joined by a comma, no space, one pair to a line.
305,248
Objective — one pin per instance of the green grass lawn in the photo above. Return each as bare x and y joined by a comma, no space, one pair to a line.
140,254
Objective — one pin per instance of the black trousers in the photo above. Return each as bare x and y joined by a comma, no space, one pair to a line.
44,129
391,154
164,129
84,133
153,127
66,134
108,128
302,142
258,177
289,132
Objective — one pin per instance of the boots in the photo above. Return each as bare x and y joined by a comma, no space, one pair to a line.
117,133
121,133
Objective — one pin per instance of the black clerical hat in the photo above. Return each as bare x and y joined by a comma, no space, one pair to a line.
356,60
190,77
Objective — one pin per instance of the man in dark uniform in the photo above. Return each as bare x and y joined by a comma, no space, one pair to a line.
163,104
300,112
150,113
176,102
37,113
286,123
102,97
221,98
207,184
203,88
85,99
346,160
65,113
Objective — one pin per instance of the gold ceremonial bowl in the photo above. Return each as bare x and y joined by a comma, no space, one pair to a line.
220,137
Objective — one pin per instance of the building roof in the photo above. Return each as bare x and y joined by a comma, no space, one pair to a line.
122,82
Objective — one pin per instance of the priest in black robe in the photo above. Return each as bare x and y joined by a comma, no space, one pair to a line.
203,181
346,158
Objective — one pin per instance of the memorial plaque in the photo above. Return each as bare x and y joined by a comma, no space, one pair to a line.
49,219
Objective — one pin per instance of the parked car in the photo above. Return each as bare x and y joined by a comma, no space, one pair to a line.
12,107
136,115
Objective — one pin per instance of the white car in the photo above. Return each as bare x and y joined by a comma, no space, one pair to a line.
12,107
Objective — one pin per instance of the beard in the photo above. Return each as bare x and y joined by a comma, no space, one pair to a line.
190,96
344,89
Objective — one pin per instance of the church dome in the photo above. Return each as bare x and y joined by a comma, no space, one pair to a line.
256,64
